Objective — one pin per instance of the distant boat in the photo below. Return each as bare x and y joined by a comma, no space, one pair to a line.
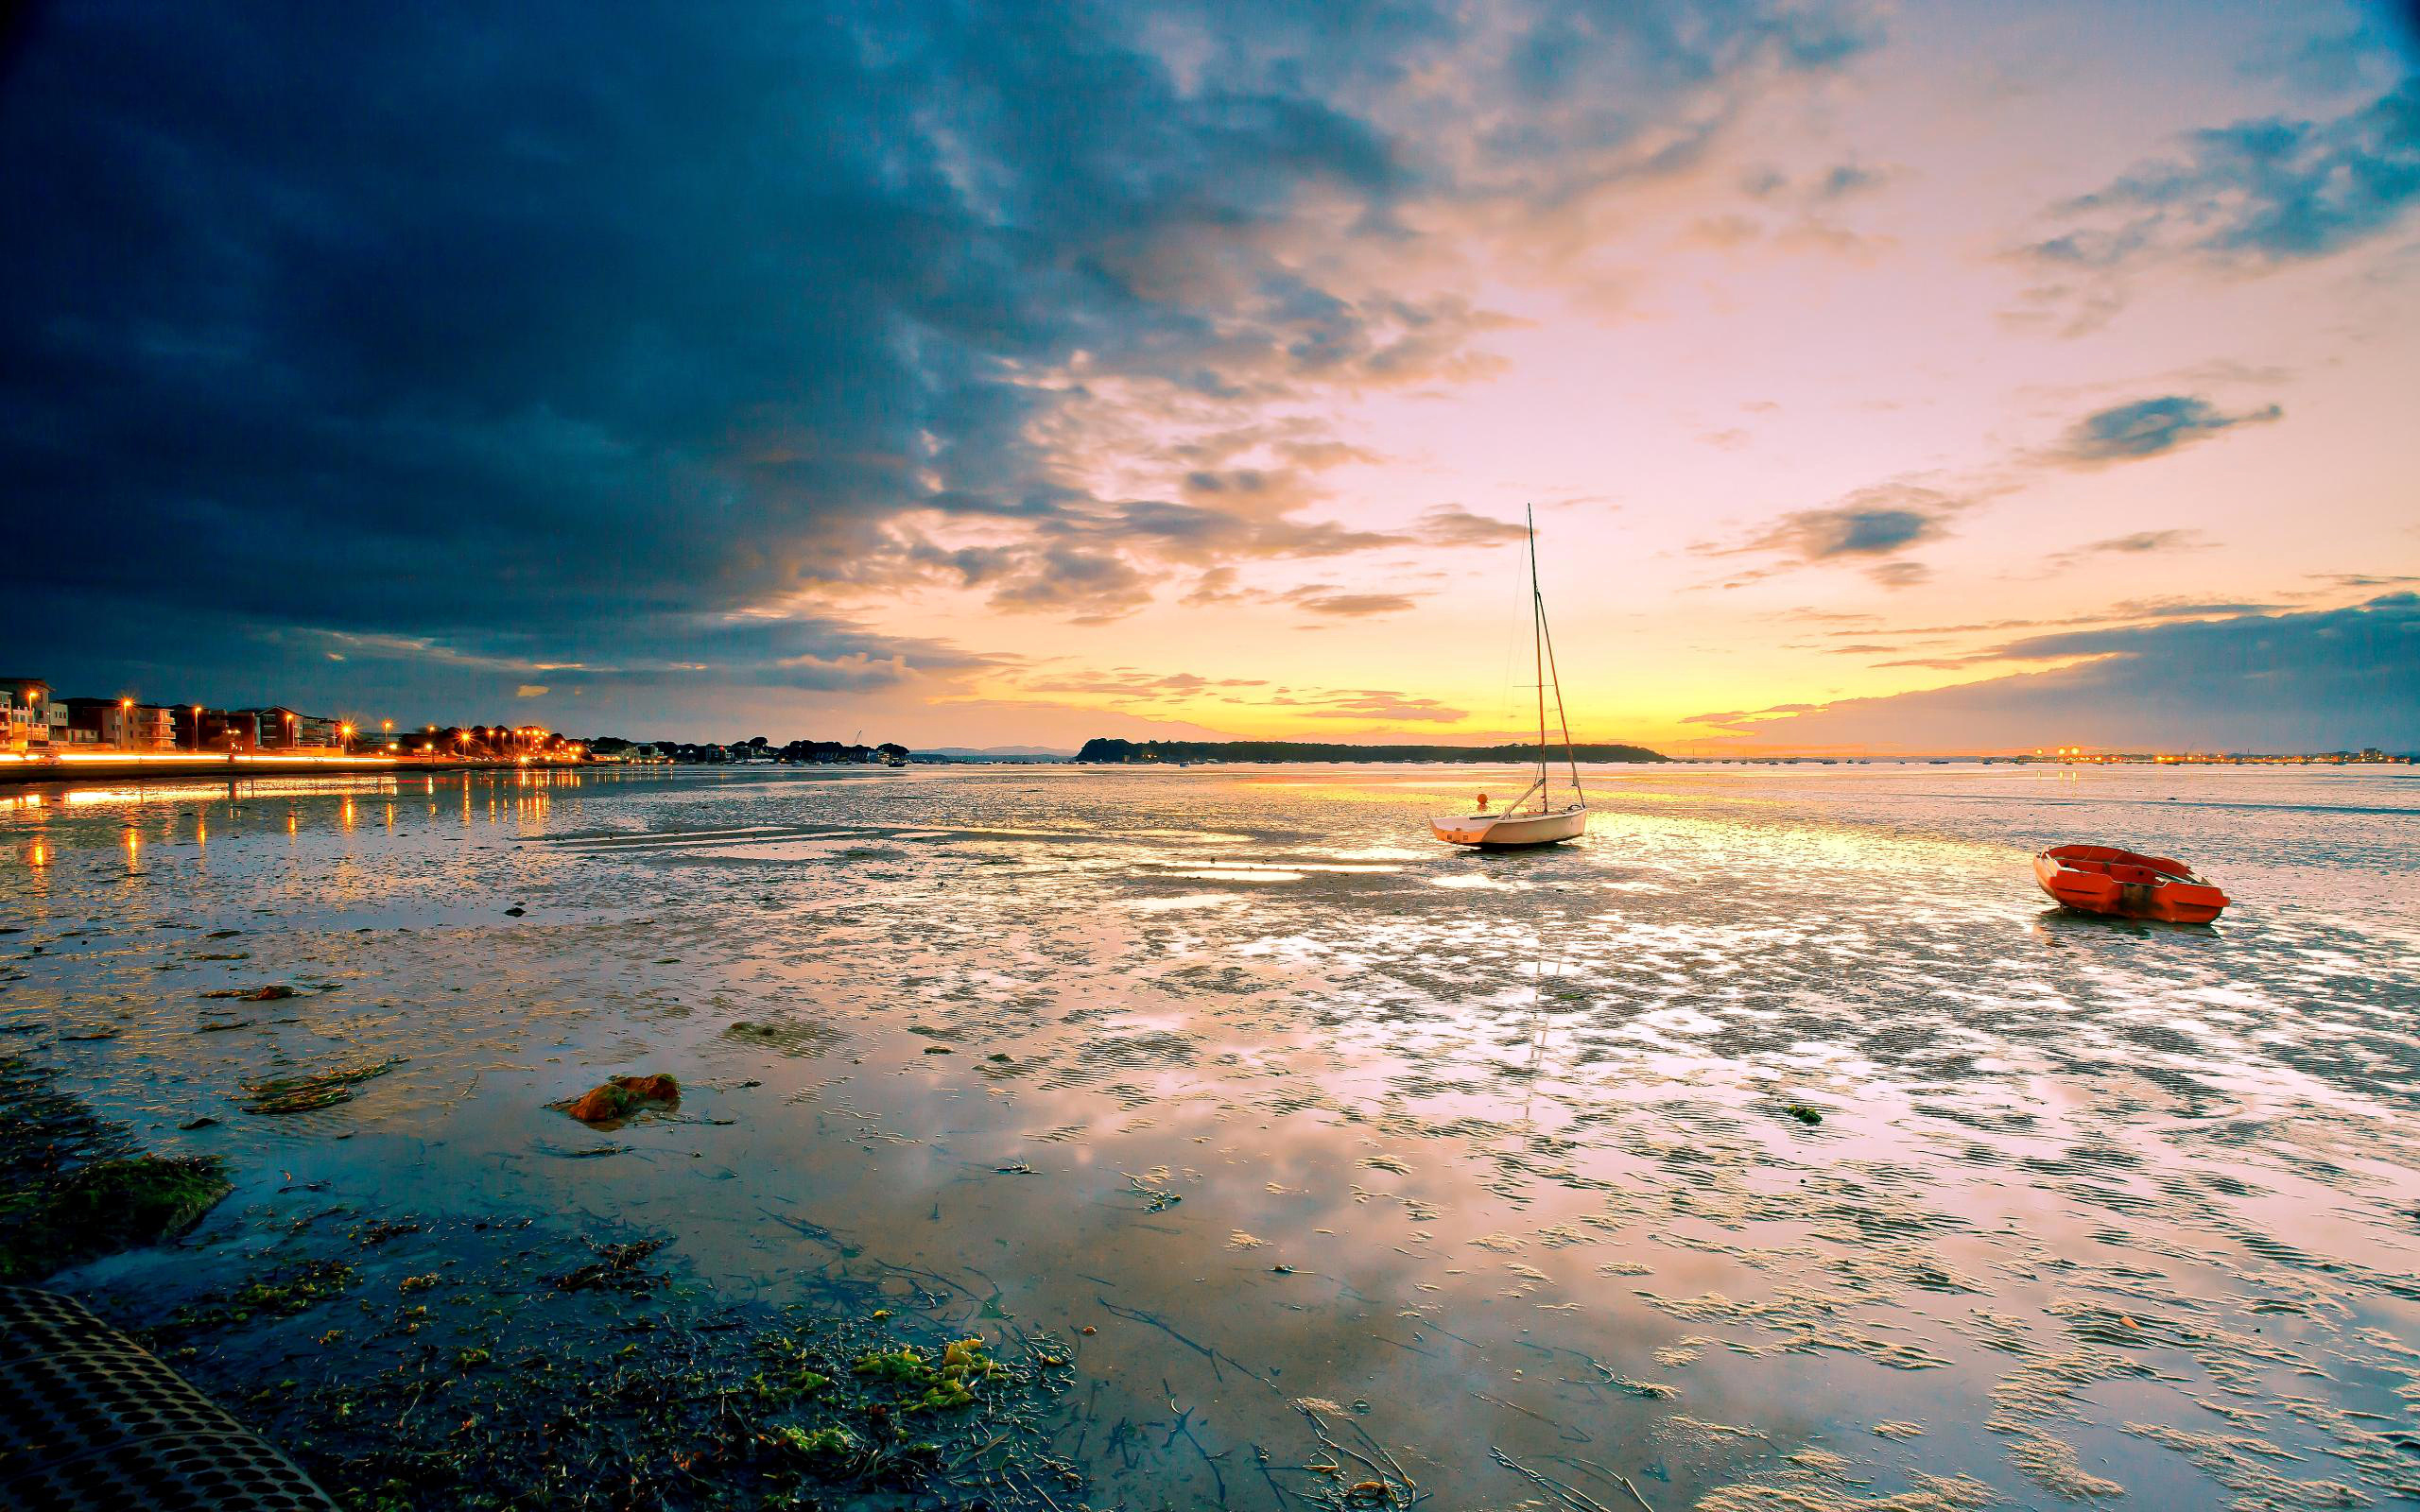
2101,879
1513,825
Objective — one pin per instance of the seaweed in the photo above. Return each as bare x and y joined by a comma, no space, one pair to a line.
73,1188
102,1208
512,1390
313,1091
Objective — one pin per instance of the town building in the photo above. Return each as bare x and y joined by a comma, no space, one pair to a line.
121,723
284,728
26,713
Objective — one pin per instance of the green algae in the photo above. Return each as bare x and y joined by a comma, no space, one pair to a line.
102,1208
73,1188
282,1293
609,1396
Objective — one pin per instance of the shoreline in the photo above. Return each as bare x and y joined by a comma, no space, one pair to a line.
183,766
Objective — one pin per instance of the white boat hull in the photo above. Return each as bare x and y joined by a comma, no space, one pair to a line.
1506,830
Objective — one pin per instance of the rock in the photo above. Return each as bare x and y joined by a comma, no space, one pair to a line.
515,911
619,1097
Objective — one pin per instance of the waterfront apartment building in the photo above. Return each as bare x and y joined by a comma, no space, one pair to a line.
121,723
31,719
278,727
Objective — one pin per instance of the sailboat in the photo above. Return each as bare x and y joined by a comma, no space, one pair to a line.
1513,825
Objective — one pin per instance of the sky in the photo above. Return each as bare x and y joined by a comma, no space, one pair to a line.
1884,378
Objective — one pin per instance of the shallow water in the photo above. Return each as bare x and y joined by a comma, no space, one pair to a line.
1491,1152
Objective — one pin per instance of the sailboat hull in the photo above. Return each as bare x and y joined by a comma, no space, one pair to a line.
1505,832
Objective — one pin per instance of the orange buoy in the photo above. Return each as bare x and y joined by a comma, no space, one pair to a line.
2100,879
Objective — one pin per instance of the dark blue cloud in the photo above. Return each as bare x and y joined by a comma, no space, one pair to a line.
2320,681
2148,427
2255,193
1872,526
550,335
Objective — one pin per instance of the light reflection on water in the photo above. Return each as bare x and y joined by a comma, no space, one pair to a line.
2087,1199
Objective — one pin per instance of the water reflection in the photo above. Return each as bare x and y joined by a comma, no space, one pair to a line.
1521,1145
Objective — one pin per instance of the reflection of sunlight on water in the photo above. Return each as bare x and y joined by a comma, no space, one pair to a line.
1190,900
1235,873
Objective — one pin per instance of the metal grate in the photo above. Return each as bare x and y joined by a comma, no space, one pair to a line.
89,1419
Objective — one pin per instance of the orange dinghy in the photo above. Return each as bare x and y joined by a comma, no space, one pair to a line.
2101,879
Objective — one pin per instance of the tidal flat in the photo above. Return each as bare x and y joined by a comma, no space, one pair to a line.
1776,1146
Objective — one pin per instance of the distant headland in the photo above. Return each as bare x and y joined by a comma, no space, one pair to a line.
1167,753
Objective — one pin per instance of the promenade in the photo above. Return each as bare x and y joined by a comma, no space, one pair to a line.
18,769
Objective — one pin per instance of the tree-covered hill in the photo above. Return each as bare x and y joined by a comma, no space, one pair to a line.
1148,752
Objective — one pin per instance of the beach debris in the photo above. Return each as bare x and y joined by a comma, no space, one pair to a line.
314,1090
1152,1186
1801,1112
582,1152
1652,1390
282,1293
621,1097
615,1268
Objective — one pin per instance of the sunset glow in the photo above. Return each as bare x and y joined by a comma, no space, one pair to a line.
1909,378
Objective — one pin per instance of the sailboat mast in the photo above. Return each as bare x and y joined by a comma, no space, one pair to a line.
1537,650
1569,754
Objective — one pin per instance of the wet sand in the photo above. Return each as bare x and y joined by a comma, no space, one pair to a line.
1487,1161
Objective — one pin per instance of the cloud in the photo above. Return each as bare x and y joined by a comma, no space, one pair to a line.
1873,523
1899,573
1353,606
2138,543
1090,587
1450,525
2242,198
2316,681
2148,427
1869,527
1382,705
530,690
589,332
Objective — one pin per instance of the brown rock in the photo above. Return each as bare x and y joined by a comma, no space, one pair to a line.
618,1097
